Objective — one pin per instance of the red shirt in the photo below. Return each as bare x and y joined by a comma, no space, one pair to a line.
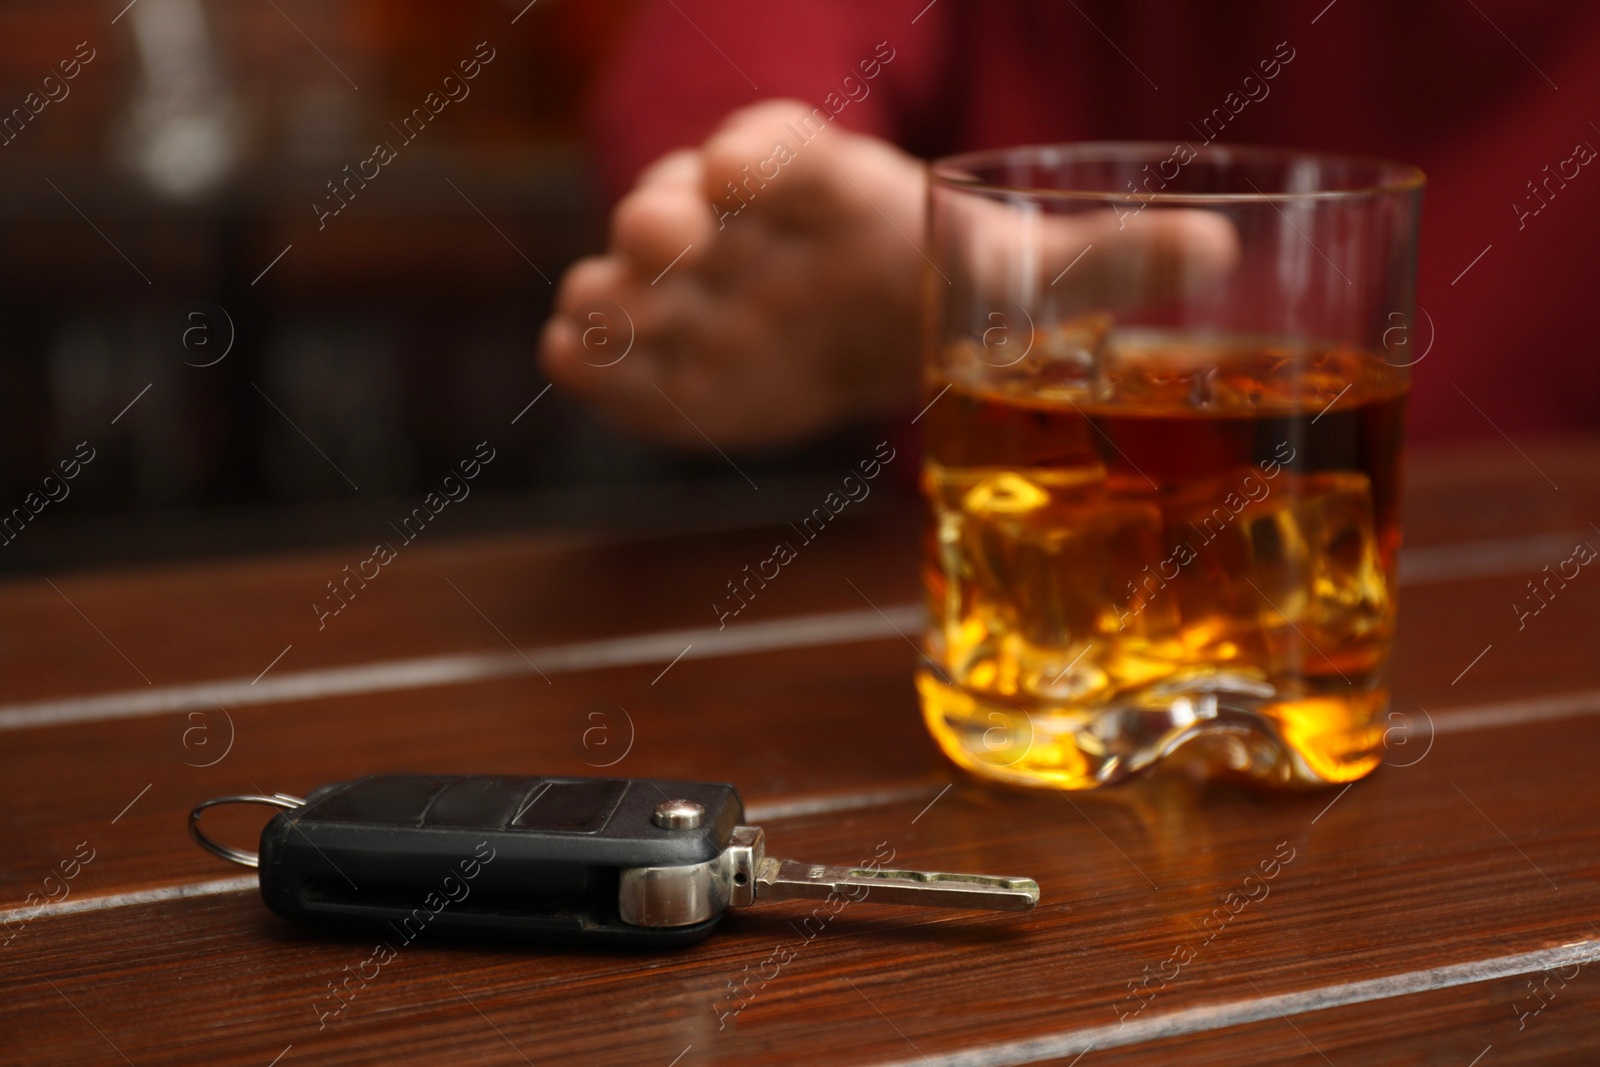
1482,94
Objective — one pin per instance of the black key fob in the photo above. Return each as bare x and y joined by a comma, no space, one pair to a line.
537,859
621,861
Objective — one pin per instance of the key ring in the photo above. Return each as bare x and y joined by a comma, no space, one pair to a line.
281,801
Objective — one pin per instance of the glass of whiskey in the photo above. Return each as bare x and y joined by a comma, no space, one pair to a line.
1166,389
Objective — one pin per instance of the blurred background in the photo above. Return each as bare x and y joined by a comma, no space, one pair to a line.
144,213
290,380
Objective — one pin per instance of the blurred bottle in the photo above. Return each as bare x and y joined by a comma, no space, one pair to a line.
183,132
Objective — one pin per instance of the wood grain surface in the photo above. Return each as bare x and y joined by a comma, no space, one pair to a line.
1419,916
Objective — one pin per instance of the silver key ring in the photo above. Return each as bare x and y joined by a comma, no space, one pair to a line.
281,801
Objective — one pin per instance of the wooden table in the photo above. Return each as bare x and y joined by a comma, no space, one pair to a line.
1409,919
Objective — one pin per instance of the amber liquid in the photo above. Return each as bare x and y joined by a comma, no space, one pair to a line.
1179,550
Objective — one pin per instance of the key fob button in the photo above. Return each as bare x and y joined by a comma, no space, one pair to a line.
388,800
572,805
473,803
678,815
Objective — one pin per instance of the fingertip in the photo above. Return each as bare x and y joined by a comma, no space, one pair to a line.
1194,247
796,160
764,114
749,136
1215,239
589,279
1139,250
655,225
556,352
681,168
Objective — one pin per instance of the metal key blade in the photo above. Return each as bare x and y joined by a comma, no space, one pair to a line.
777,879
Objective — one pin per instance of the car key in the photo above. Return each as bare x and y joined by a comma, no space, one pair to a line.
562,860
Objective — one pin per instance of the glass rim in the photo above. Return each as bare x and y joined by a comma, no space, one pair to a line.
958,171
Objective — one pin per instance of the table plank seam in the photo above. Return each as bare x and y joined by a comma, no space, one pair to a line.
792,632
153,895
1212,1017
1467,560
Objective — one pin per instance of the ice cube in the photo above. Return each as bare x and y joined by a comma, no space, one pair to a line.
1017,350
1070,352
1060,562
1279,564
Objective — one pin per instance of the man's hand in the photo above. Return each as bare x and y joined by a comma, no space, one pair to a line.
765,286
759,288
